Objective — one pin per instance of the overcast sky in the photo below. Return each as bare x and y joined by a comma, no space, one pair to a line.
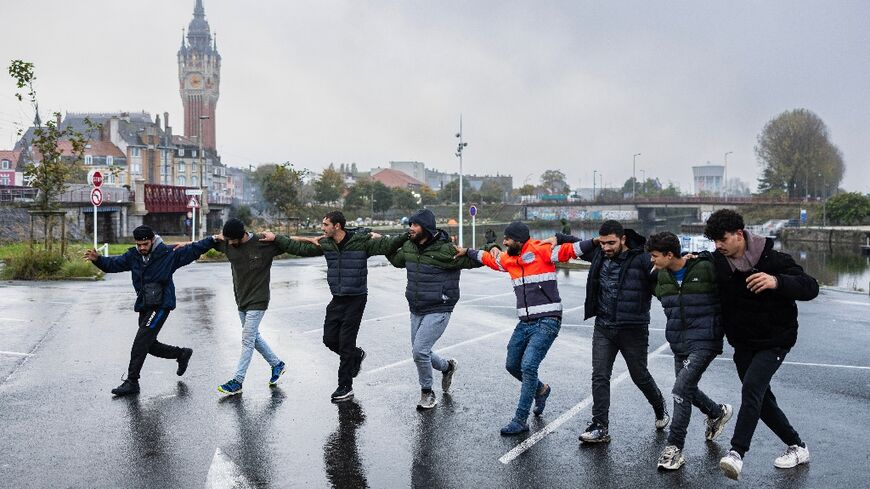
573,85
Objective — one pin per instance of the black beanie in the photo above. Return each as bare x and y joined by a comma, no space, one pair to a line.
426,219
234,229
517,231
142,233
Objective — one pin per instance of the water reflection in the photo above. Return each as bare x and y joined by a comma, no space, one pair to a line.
431,462
341,457
253,452
149,449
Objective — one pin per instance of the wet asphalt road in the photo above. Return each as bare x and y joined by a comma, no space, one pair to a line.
63,345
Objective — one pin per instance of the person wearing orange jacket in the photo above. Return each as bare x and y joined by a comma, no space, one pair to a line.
531,265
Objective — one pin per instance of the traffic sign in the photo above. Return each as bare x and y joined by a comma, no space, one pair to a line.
97,179
193,191
472,211
96,197
193,204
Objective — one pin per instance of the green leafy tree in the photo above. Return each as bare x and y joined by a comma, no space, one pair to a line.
449,193
279,187
527,189
359,194
554,182
243,213
491,192
428,196
797,156
382,197
330,186
404,199
848,208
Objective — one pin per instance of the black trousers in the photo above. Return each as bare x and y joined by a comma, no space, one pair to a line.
343,317
755,369
150,323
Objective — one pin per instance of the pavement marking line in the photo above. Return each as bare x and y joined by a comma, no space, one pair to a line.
851,302
14,319
224,473
15,353
581,325
440,350
573,309
803,364
300,306
539,435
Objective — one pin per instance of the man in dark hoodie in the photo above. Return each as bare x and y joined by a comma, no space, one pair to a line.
432,292
758,287
152,264
618,294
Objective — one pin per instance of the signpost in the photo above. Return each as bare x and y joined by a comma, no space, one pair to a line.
473,211
194,205
96,179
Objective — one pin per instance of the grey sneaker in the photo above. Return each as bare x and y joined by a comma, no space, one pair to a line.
671,458
595,433
447,379
427,400
794,455
716,425
731,465
662,423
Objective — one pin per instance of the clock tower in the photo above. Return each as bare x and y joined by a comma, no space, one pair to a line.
199,67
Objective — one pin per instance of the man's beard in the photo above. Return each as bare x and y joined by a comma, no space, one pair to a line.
514,250
418,237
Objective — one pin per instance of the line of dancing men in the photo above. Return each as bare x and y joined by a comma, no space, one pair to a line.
744,290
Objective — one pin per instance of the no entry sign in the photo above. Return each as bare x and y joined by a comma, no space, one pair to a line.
96,197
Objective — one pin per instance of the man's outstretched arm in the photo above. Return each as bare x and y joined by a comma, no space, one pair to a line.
108,264
188,254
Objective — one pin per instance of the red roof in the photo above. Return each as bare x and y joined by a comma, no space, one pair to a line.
10,155
93,148
396,178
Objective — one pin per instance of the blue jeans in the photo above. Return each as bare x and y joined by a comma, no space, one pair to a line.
251,339
688,368
425,331
525,351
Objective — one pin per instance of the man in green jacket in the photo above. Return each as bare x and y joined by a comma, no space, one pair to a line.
346,256
689,295
432,292
251,262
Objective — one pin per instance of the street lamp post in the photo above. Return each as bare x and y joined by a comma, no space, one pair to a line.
594,180
725,173
459,149
634,176
643,180
203,198
824,203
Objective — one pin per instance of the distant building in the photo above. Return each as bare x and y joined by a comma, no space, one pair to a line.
709,179
199,77
396,179
8,168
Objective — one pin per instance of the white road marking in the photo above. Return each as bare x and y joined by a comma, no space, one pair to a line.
851,302
573,309
581,325
803,364
14,320
440,350
300,306
224,473
539,435
15,353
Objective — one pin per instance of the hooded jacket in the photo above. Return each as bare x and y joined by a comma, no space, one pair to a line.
768,319
433,273
692,308
156,267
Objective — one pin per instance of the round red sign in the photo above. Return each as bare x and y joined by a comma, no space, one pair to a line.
96,197
97,179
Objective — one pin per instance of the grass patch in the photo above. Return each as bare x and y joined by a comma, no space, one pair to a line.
22,263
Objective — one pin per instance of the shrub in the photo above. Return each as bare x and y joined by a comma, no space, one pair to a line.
33,266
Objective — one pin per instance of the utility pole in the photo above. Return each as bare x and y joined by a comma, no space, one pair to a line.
459,149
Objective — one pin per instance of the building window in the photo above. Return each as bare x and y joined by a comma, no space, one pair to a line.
193,153
4,180
181,181
136,169
180,167
110,178
5,164
89,160
194,181
135,152
180,151
193,167
109,160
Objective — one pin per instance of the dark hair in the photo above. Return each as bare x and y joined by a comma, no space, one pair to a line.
721,222
611,227
234,229
664,242
336,217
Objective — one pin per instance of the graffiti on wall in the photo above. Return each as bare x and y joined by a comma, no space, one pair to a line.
579,214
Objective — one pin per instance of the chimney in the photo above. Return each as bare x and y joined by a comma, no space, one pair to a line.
57,115
166,121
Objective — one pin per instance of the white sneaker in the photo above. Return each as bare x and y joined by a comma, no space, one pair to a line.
671,458
731,465
427,400
663,422
715,426
793,456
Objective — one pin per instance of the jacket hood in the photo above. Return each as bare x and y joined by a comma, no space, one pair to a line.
426,220
633,240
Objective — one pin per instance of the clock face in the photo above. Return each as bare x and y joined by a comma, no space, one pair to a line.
194,81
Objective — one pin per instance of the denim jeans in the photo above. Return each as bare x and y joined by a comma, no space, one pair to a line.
755,369
633,344
425,331
251,339
688,368
525,351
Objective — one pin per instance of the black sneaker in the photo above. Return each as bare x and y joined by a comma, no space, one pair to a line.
595,433
129,387
183,360
343,393
358,366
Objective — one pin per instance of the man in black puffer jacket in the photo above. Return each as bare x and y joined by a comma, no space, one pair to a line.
618,294
432,293
758,287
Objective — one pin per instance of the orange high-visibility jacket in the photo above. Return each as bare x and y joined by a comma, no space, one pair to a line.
533,273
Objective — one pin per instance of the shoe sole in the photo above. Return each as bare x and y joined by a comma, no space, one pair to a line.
729,471
728,415
275,382
666,467
346,397
122,394
514,434
606,439
790,466
229,393
423,407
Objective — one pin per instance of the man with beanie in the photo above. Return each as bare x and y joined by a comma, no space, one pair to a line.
531,265
432,292
758,287
346,254
152,264
618,294
251,263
